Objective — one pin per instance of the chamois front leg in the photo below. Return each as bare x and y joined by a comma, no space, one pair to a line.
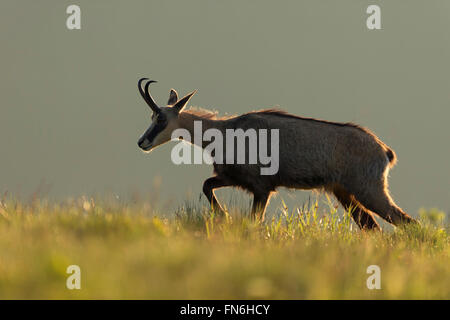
260,201
208,189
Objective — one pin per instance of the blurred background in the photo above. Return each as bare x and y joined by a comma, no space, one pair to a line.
70,112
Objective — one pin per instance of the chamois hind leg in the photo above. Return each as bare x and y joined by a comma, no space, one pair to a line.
376,198
363,218
208,189
260,201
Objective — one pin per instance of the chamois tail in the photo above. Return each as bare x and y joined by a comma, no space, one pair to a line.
391,156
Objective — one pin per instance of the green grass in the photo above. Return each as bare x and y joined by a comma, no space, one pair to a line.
126,250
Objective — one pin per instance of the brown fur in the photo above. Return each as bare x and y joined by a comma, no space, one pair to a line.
342,158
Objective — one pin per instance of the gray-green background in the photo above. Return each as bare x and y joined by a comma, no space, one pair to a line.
70,113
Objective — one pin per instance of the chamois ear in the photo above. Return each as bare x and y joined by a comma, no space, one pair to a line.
183,101
173,97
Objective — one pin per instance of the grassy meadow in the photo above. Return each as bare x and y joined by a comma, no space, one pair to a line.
130,251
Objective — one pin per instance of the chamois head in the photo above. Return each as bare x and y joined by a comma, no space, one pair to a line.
164,119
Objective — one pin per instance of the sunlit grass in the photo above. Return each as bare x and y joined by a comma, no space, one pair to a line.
128,250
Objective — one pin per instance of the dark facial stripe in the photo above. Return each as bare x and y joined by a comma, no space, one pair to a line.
159,126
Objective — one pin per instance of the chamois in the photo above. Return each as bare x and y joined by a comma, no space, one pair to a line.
344,159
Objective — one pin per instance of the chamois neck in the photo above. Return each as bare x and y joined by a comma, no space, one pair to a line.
187,121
